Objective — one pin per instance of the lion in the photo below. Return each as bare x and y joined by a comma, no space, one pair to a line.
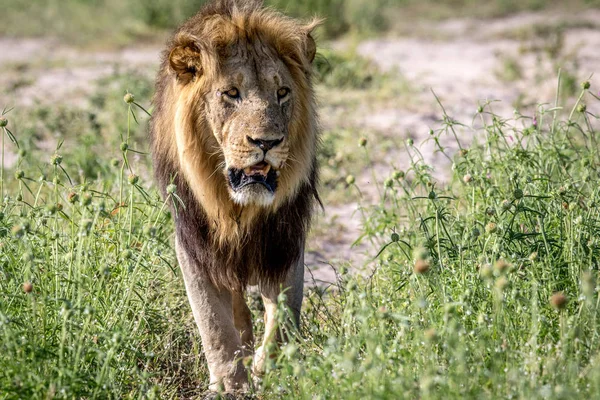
235,134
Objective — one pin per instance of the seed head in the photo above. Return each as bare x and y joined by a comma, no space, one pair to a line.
171,188
72,197
27,287
479,109
581,108
56,159
114,162
501,265
398,175
475,233
395,237
491,227
421,266
388,183
124,146
585,85
410,142
467,178
490,211
506,204
432,195
3,122
133,179
362,142
19,174
350,180
501,283
22,153
558,300
518,193
19,197
128,98
463,152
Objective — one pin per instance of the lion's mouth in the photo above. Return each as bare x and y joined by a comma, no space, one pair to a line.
260,173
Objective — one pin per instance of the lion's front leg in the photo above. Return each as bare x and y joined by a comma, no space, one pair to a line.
213,312
293,288
242,318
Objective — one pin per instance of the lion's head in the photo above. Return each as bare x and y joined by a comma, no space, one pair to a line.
235,108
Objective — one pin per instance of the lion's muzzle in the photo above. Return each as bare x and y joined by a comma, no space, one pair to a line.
253,165
257,174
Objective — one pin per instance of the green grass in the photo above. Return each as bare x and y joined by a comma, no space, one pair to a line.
91,289
466,296
457,305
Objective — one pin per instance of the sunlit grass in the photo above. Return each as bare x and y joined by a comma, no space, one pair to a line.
92,304
482,286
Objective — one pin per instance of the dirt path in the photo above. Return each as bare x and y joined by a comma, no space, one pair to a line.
468,61
465,68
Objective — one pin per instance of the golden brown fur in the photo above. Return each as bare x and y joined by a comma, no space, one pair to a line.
235,131
186,151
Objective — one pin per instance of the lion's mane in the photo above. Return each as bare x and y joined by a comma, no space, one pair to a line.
234,244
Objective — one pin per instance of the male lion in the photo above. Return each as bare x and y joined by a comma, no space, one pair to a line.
235,131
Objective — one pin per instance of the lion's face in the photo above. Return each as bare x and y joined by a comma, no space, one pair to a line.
249,107
238,111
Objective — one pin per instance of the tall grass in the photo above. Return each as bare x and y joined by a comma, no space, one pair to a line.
484,287
92,304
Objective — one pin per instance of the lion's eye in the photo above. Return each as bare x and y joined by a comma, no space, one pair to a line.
232,93
282,92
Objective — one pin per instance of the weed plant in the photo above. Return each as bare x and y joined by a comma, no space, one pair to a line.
484,287
91,304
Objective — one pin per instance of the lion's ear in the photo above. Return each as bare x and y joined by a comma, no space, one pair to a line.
311,48
310,44
185,61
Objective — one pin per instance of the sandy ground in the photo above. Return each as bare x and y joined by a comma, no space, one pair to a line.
462,64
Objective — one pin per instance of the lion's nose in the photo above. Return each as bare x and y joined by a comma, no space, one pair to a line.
264,145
